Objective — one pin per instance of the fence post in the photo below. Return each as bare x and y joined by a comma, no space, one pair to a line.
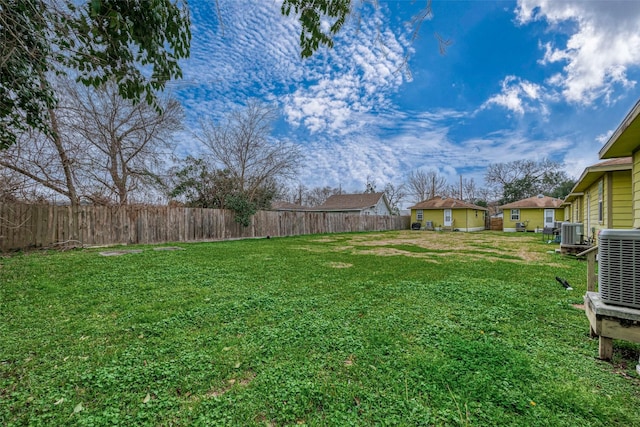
591,267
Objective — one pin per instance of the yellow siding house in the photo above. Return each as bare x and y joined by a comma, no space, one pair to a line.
625,142
531,214
573,207
601,199
449,214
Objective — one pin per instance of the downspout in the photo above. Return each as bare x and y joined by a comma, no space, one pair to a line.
466,216
609,199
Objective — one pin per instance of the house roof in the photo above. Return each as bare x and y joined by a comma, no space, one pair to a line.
539,201
351,202
592,173
626,138
286,206
571,197
446,203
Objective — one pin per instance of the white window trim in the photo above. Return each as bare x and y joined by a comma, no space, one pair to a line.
600,204
515,214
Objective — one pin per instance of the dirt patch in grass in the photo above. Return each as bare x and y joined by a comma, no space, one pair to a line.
485,245
241,382
121,252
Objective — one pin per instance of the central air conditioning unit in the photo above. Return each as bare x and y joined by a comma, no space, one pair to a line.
571,233
619,267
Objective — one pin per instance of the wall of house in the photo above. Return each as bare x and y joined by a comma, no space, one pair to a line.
533,218
617,202
467,219
620,204
576,209
463,219
381,208
592,225
636,189
573,212
436,216
369,211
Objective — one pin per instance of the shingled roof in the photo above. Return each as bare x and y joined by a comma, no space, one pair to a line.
349,202
286,206
592,173
538,201
446,203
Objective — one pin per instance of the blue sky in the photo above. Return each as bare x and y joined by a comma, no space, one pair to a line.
527,79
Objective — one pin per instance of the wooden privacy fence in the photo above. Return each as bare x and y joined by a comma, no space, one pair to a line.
27,226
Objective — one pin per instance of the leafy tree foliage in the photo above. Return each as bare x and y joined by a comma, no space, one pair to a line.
526,178
310,13
136,43
25,94
562,188
100,40
198,185
112,39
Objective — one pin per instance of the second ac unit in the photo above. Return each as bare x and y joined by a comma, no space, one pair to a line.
571,233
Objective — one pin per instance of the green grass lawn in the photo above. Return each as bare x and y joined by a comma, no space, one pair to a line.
394,328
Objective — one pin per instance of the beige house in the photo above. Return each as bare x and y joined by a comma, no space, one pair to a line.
361,204
448,213
531,214
287,206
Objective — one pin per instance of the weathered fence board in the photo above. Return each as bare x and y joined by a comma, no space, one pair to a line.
25,226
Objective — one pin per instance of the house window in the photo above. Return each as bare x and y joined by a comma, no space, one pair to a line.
600,207
515,214
419,215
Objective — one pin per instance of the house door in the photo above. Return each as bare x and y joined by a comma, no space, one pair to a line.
448,222
549,217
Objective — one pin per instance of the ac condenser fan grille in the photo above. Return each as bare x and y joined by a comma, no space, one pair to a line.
619,267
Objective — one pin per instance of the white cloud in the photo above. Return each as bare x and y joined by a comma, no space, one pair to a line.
357,76
603,44
250,50
421,141
519,96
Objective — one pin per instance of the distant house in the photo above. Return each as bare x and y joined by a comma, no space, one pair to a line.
287,206
448,213
361,204
532,213
602,197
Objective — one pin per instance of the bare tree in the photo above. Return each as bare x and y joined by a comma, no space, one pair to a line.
126,142
395,195
101,147
242,146
318,195
370,186
47,160
296,195
426,185
469,190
